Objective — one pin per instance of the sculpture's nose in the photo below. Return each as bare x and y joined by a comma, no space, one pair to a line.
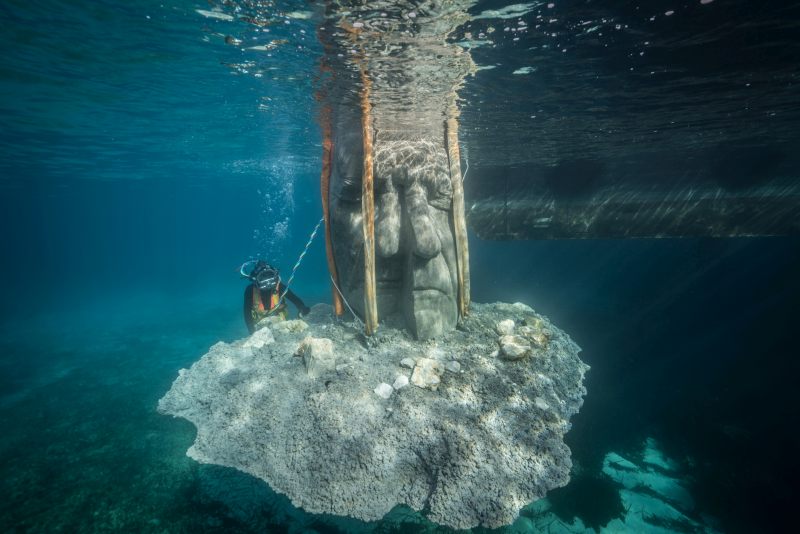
425,240
387,221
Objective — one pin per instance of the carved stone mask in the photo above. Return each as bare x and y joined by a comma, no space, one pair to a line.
415,248
395,77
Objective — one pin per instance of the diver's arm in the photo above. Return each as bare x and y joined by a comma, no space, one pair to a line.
299,304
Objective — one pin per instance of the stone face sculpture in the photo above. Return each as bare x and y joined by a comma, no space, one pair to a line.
416,265
449,428
392,178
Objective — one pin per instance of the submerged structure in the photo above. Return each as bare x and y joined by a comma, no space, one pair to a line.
465,424
468,429
392,181
454,409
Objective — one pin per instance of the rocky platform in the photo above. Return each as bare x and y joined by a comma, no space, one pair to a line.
468,428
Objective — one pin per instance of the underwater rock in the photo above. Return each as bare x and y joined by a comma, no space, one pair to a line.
384,390
317,354
269,320
259,339
291,326
514,347
646,513
427,373
505,327
400,382
631,476
535,329
643,509
453,366
472,453
407,362
654,496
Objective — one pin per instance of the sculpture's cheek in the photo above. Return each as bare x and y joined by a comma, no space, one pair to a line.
430,289
415,264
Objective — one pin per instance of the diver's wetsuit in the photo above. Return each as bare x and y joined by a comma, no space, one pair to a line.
250,318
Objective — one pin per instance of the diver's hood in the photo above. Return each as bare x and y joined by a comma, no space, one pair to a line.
264,275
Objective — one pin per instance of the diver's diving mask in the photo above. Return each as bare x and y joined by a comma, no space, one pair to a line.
265,276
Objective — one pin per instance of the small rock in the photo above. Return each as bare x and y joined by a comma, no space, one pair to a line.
541,339
526,331
269,320
317,354
384,390
541,403
400,382
514,347
294,326
505,328
535,331
407,362
259,339
434,353
453,366
533,321
427,373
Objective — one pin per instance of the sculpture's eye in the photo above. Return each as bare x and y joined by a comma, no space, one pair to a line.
442,188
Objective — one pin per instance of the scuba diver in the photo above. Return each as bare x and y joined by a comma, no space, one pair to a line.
262,297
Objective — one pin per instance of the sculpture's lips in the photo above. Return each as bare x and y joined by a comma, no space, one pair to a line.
428,291
397,285
389,285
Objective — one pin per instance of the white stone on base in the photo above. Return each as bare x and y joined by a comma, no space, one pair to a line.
427,373
317,354
514,347
400,382
505,327
259,339
384,390
407,362
453,366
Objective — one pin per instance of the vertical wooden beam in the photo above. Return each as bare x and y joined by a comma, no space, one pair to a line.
368,210
325,179
459,216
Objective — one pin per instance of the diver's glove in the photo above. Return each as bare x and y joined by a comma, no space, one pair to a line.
305,311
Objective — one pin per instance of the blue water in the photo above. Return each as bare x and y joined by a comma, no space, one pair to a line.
138,170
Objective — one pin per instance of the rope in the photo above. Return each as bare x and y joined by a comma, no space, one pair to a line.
466,160
300,259
348,304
